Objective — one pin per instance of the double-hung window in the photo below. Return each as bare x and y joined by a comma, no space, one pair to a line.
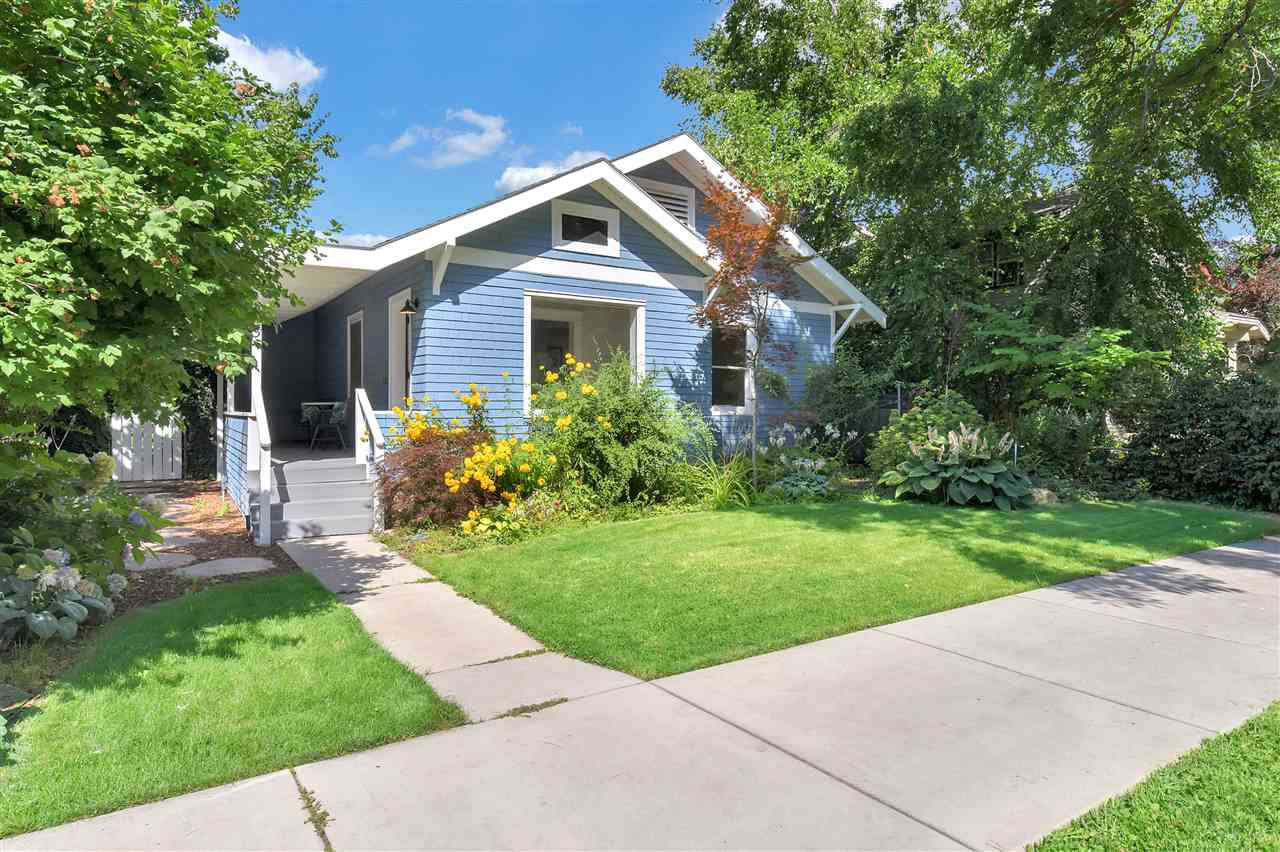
730,380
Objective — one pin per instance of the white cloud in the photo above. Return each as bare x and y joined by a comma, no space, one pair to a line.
364,240
571,129
515,177
456,148
451,145
279,66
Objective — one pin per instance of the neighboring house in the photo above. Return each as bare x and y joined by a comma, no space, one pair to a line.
610,255
1238,329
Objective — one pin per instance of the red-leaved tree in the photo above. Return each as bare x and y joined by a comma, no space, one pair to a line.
753,274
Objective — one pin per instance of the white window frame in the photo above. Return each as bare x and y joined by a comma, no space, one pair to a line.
358,316
749,384
637,307
673,189
398,348
610,215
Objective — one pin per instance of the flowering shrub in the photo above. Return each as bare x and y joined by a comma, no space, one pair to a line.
513,520
963,467
63,542
618,435
508,468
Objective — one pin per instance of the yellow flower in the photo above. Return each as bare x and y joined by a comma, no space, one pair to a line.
588,365
506,374
541,481
569,359
551,458
533,397
552,377
524,468
528,448
561,396
472,386
564,421
498,470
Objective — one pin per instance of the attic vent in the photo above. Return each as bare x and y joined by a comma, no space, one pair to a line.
676,200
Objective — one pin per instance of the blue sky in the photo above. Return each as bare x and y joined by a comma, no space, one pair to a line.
443,105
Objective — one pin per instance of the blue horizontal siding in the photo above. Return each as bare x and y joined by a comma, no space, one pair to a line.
529,233
235,476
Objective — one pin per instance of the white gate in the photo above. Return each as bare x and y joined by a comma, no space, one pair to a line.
145,451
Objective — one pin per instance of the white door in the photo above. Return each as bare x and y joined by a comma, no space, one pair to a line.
145,451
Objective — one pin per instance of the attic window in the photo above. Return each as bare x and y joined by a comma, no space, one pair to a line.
585,228
679,201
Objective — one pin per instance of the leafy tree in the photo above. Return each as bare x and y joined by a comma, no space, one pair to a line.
1092,144
752,275
150,202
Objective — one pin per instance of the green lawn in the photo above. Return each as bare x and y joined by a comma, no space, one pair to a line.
220,685
664,595
1225,795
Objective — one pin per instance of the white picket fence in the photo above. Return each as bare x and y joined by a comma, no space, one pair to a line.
145,451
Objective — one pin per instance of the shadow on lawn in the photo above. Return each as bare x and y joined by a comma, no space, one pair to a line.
1056,546
226,623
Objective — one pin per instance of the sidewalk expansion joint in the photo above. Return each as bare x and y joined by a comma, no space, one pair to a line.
817,768
525,710
1069,688
317,816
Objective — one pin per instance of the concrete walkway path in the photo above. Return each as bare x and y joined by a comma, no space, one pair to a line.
983,727
465,652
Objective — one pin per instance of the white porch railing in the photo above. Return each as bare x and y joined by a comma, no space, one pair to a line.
259,452
371,446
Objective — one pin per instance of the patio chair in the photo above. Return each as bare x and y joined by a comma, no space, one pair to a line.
313,416
336,422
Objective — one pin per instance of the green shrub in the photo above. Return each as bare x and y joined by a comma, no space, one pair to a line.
964,467
716,482
845,396
942,412
65,532
619,435
1211,439
1062,442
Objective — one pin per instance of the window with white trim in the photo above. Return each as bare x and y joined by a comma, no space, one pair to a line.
679,201
586,228
730,381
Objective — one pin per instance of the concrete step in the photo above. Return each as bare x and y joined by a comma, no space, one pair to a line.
297,492
303,509
308,472
314,527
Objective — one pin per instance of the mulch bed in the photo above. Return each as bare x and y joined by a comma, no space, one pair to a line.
207,515
210,516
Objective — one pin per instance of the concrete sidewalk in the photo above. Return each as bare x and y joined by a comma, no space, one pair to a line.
983,727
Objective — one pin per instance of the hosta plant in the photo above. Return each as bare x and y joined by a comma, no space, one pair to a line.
966,467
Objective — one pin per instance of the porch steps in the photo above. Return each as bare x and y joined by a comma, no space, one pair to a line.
319,497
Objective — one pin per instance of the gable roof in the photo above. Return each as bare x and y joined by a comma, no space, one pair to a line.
332,269
694,162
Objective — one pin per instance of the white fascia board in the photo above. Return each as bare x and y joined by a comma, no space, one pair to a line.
686,154
601,175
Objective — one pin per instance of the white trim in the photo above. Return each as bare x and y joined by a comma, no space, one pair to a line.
853,316
601,176
398,347
687,156
358,316
748,383
611,217
687,192
490,259
636,306
439,257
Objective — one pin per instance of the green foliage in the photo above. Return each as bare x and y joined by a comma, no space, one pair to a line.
152,201
411,478
1083,371
962,468
63,542
1055,155
196,411
941,412
800,486
845,395
1211,439
715,482
616,434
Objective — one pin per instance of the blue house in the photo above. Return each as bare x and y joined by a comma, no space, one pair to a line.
610,255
